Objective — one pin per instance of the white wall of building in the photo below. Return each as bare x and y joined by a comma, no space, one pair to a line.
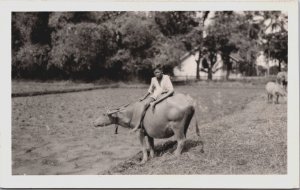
189,66
262,60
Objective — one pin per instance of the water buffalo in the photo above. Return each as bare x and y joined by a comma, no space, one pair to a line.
170,117
274,90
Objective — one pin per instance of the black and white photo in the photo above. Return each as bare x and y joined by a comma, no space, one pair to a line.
114,93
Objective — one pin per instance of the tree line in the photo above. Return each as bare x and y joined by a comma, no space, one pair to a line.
126,45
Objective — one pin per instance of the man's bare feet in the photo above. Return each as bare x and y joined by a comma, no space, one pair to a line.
134,130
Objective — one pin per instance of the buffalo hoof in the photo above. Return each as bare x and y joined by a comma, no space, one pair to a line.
177,154
142,162
152,155
134,130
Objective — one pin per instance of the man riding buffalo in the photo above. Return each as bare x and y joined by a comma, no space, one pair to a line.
160,88
171,117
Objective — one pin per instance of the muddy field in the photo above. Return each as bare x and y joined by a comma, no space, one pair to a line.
52,134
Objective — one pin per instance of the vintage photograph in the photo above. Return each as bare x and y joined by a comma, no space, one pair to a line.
149,92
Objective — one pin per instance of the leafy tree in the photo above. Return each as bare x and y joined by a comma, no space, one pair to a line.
175,22
135,36
247,40
184,30
137,33
271,29
23,23
81,50
261,70
114,44
195,39
142,45
31,62
220,39
58,20
41,33
119,64
209,55
274,70
245,32
276,47
169,53
98,17
30,44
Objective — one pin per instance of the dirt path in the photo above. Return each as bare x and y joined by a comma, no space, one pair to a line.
251,141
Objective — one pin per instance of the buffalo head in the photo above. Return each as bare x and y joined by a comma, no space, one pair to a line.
105,119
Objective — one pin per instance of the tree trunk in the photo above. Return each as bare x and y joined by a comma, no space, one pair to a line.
210,65
209,73
268,66
198,66
198,71
227,73
205,16
279,66
228,66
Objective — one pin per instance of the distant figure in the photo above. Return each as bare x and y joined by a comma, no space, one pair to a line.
160,88
274,90
282,79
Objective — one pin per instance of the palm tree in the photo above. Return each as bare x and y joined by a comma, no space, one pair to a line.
272,31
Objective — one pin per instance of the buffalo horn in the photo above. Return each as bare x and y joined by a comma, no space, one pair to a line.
112,111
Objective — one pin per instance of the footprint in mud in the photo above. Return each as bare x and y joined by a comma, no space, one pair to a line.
241,162
106,152
50,162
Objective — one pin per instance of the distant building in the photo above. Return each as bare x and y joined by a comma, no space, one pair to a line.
188,66
263,64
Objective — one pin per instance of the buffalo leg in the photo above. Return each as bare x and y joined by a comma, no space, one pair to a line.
179,129
144,147
180,145
151,146
277,97
180,137
271,98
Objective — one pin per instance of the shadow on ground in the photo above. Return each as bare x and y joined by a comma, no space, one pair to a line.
166,148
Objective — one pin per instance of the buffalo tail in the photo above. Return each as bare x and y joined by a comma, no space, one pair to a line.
196,118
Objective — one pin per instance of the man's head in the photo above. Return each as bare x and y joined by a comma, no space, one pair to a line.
158,73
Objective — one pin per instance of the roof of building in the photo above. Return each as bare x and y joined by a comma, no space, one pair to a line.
236,57
187,54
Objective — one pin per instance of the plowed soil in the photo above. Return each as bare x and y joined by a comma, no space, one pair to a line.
241,133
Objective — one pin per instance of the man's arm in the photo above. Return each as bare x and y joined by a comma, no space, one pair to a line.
145,96
148,92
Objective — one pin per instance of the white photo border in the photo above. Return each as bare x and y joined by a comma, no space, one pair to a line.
291,180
